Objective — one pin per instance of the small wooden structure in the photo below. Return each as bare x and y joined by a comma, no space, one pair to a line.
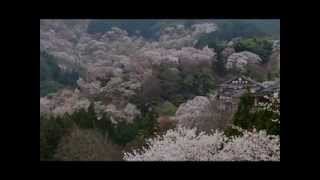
225,102
229,92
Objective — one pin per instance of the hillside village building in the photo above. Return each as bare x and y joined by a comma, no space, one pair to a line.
229,92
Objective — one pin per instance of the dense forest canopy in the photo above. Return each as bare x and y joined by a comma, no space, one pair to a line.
154,89
228,28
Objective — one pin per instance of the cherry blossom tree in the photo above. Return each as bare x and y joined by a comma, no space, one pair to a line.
182,144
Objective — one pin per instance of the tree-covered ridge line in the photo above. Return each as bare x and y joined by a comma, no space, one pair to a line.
150,28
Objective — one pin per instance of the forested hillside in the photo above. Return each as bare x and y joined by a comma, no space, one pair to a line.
228,29
153,90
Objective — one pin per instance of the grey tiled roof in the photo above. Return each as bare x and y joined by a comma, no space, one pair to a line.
229,89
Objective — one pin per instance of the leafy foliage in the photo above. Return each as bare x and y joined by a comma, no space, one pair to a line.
52,129
178,86
169,82
198,83
260,46
120,133
247,117
212,41
85,119
123,133
52,78
231,131
219,66
166,108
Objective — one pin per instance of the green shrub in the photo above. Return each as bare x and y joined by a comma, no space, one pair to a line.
197,84
166,109
178,99
169,82
173,85
123,133
247,118
85,119
104,125
211,40
229,131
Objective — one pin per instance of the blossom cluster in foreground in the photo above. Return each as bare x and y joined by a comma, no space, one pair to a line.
182,144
